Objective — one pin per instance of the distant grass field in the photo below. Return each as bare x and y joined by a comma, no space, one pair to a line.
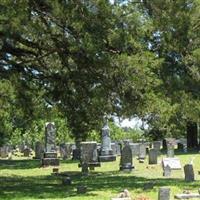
21,178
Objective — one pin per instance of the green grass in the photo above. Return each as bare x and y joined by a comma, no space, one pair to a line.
24,179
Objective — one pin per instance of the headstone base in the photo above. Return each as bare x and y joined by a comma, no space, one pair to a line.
126,168
108,158
50,162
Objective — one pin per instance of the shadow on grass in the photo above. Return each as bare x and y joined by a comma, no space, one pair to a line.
42,187
26,164
19,164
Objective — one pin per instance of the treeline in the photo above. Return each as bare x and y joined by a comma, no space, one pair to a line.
76,62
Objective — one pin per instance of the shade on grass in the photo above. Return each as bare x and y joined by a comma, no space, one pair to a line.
24,179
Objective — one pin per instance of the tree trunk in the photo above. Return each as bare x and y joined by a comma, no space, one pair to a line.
192,135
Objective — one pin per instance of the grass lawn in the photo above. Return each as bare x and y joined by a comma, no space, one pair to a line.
21,178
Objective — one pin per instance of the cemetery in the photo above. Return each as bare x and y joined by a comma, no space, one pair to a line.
99,99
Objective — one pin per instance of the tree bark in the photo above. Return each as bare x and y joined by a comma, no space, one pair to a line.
192,135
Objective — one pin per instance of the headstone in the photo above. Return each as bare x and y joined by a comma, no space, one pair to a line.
167,171
170,151
50,155
189,172
142,151
135,149
114,148
126,162
81,189
171,143
174,163
84,169
157,145
27,152
89,154
39,150
4,150
66,181
164,193
153,156
65,150
187,196
106,154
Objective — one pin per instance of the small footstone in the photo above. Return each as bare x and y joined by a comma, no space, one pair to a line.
67,181
81,189
164,193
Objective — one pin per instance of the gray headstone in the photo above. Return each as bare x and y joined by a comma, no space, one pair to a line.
106,150
153,156
135,149
164,193
4,151
170,151
84,169
142,151
167,171
50,134
174,163
50,155
65,150
39,150
89,152
126,160
189,173
157,145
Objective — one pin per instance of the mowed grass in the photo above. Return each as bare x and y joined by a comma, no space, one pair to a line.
22,178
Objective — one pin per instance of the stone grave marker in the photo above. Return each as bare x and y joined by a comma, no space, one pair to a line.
135,149
167,171
153,156
164,193
106,153
114,148
126,161
39,150
65,150
142,151
174,163
50,155
157,145
4,151
189,172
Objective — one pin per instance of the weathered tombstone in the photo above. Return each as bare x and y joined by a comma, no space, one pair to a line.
153,156
118,148
174,163
66,181
135,149
167,171
126,162
142,151
170,151
171,143
76,152
65,150
84,168
189,172
114,148
27,152
81,189
106,153
39,150
164,193
50,155
89,154
4,150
